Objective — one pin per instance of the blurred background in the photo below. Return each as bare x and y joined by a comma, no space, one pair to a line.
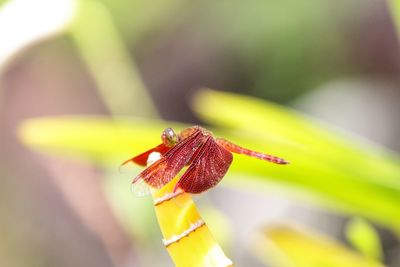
336,61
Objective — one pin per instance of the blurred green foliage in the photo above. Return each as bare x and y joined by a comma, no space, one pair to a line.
143,17
283,51
394,7
364,238
107,57
333,166
289,246
277,42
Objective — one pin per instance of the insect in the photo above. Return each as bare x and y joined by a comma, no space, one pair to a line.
208,159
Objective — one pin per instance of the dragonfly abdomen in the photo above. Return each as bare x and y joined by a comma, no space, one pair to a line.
241,150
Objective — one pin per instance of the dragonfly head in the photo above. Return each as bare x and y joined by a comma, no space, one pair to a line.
169,137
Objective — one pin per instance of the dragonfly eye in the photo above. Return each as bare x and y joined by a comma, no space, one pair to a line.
169,137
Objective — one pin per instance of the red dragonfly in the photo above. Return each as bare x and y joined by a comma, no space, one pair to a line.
208,159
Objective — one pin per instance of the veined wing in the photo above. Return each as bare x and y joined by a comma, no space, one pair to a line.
207,169
163,170
141,159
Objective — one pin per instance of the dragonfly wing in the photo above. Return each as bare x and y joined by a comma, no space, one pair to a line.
142,158
207,169
140,188
163,170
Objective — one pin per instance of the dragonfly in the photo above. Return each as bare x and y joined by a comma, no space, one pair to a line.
208,159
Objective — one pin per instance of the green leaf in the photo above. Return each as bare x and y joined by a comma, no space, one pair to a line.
330,167
95,138
352,174
363,237
288,246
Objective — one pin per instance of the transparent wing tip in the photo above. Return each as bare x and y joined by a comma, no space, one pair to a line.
140,188
126,167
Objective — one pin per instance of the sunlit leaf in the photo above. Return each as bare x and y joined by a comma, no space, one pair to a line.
95,138
343,172
285,246
363,237
324,161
